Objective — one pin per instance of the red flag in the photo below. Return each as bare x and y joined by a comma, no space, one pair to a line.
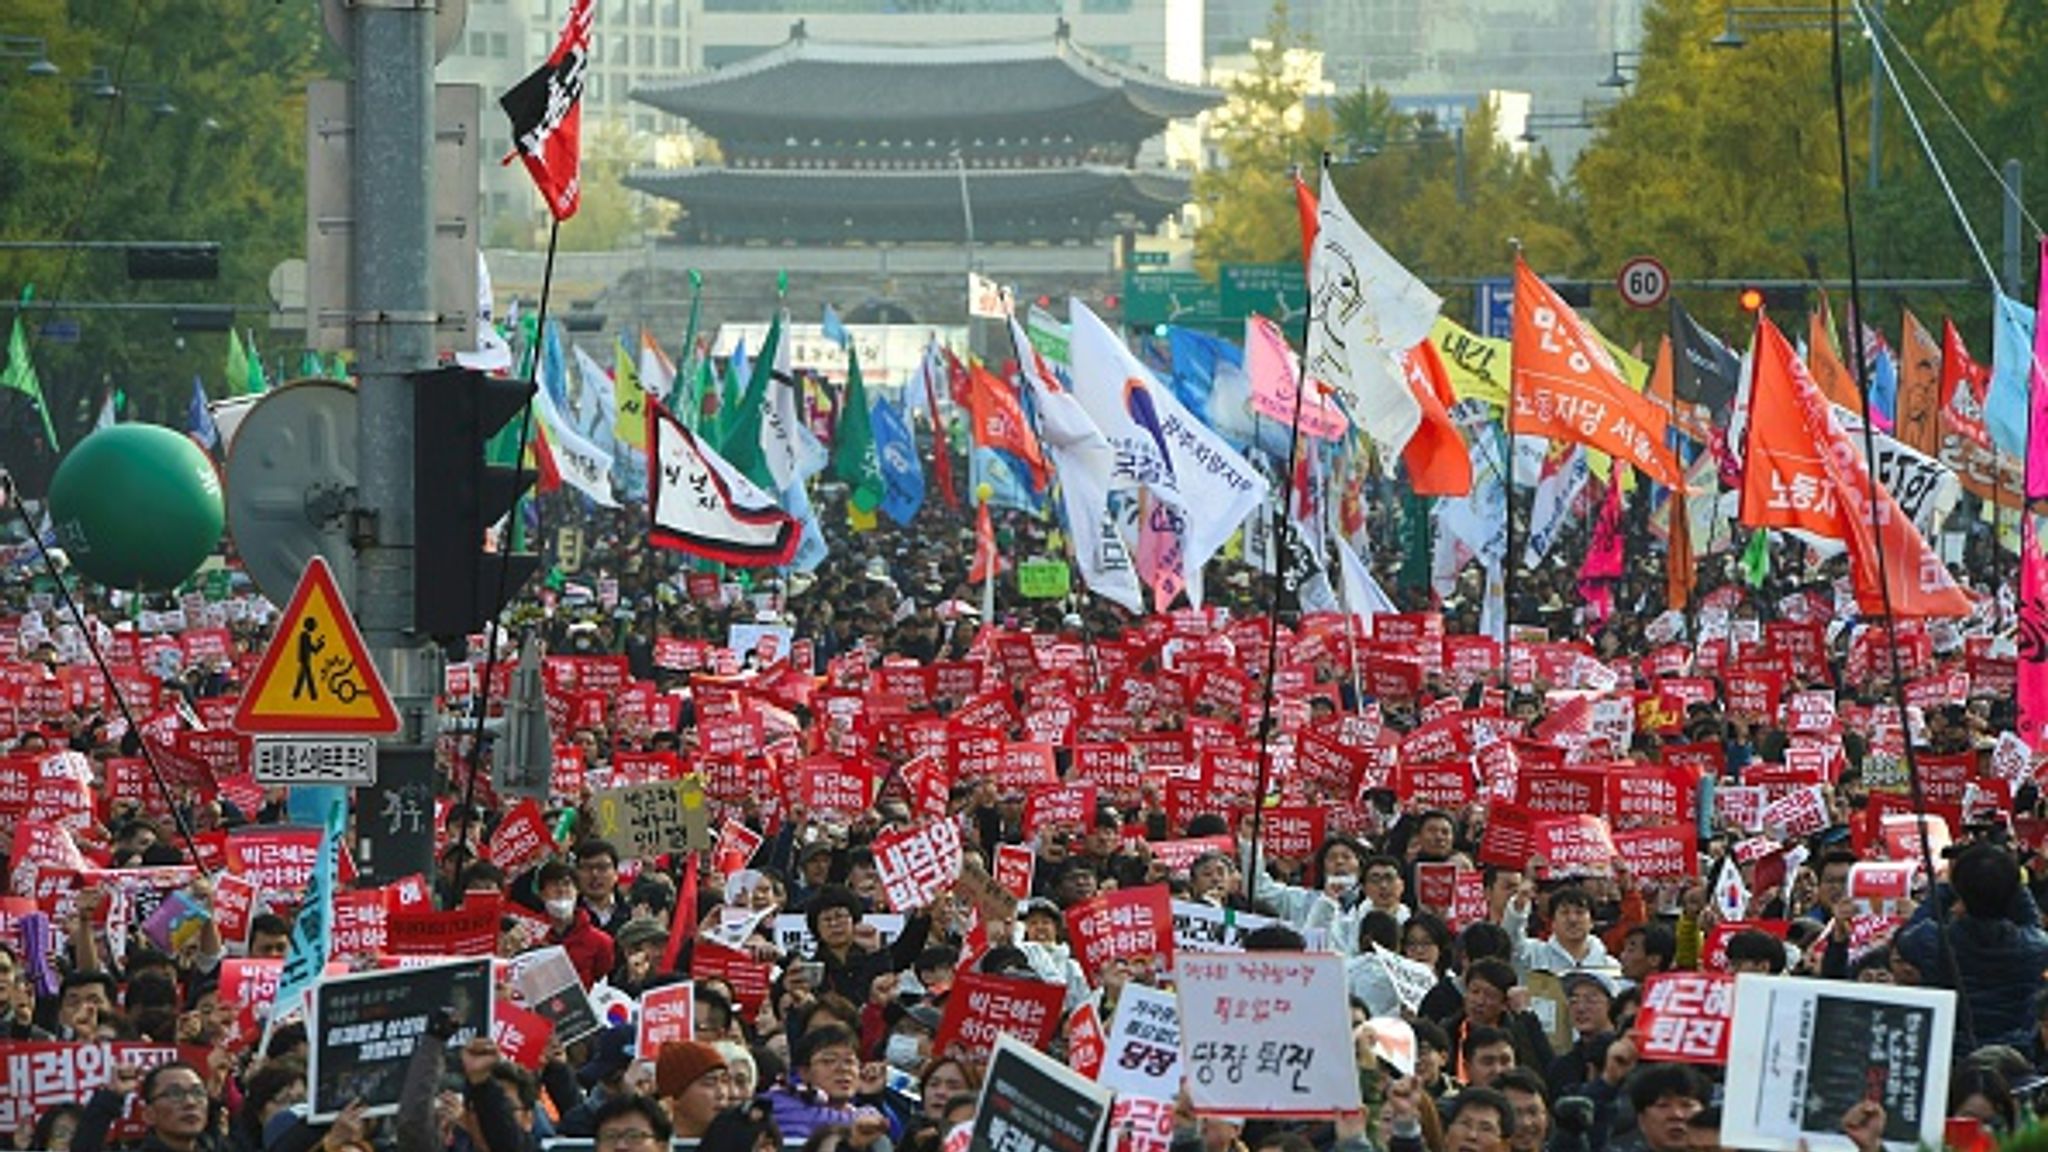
986,559
999,421
1437,461
1803,472
942,452
683,924
546,110
1305,204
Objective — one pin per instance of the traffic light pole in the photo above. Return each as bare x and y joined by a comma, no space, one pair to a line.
391,327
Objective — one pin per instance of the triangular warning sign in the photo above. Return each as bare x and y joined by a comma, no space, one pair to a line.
316,676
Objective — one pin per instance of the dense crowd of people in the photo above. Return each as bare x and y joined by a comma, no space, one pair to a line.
1528,1026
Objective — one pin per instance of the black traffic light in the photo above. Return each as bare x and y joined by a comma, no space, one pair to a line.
1781,300
458,495
174,261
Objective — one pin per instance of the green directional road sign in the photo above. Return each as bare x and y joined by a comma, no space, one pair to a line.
1275,291
1170,298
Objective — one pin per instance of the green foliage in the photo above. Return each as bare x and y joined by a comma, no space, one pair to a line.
228,165
1264,131
609,216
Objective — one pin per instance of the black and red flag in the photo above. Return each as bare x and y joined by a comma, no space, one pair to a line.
546,110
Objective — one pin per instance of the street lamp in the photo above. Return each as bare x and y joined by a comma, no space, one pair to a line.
34,49
1734,20
1585,119
1627,63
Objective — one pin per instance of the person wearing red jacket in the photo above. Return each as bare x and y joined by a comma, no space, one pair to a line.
570,925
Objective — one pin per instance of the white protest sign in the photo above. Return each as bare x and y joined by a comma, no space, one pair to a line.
1812,1049
1412,980
1143,1054
1267,1033
1207,928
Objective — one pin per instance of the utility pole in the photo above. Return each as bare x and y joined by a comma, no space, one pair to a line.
391,326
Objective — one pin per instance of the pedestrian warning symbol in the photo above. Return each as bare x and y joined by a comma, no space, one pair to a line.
316,676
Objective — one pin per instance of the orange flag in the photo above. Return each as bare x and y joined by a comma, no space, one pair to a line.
1917,419
1566,387
999,421
1681,569
1436,457
1803,472
1823,359
987,561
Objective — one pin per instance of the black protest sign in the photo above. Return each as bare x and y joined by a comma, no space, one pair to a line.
364,1029
1032,1103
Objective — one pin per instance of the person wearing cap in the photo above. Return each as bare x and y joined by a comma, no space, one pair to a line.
602,1078
694,1083
1589,1003
813,870
640,944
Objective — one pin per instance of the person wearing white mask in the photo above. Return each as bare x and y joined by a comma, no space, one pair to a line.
1335,907
569,924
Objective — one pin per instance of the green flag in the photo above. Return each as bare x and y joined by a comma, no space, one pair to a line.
740,427
237,365
1756,558
255,384
20,375
853,442
1418,545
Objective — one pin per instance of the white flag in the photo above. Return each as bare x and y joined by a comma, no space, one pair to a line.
597,406
1160,445
492,354
1365,310
790,459
1086,466
1363,595
700,504
657,373
582,464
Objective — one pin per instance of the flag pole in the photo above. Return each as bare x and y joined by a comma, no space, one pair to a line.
1507,563
1308,312
482,710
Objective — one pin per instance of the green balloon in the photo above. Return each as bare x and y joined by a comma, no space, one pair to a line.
137,506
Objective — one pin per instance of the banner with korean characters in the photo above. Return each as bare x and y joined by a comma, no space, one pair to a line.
1132,924
983,1008
1685,1017
42,1075
918,864
1032,1103
1267,1034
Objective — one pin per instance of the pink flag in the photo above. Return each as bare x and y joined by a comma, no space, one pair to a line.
2037,388
1161,560
1603,562
1274,372
2033,638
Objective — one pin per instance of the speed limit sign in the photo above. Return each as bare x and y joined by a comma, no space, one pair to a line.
1643,282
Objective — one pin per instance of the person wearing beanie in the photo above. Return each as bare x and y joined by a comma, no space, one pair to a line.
694,1082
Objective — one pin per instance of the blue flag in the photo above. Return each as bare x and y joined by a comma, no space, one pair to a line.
313,930
1196,356
811,549
199,418
902,475
834,330
1008,479
2012,361
1884,385
554,368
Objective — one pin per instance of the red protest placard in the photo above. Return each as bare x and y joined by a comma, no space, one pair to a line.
1071,805
1021,767
1875,881
362,924
1446,785
1714,950
1086,1043
1177,855
929,782
234,903
1128,924
1801,812
1571,846
982,1007
666,1013
1560,792
522,1035
471,930
280,859
1685,1017
1658,852
522,840
748,978
39,1076
832,786
917,864
1641,795
1014,867
737,844
1294,832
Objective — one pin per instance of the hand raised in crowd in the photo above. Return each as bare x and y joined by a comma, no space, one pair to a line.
868,1127
883,988
1864,1123
347,1129
125,1079
1621,1060
1404,1101
874,1078
479,1056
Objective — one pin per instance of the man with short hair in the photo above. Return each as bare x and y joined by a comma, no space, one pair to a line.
1488,1053
1571,944
1665,1098
1833,886
1384,888
270,936
597,886
1589,1003
1525,1095
1998,946
175,1105
1646,950
633,1124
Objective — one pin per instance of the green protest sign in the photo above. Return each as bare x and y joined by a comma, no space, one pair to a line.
1042,579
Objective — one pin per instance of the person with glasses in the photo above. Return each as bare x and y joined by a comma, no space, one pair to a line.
851,952
631,1124
825,1066
1479,1120
176,1107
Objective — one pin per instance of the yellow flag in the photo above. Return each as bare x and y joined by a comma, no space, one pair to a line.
858,520
631,426
1477,366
